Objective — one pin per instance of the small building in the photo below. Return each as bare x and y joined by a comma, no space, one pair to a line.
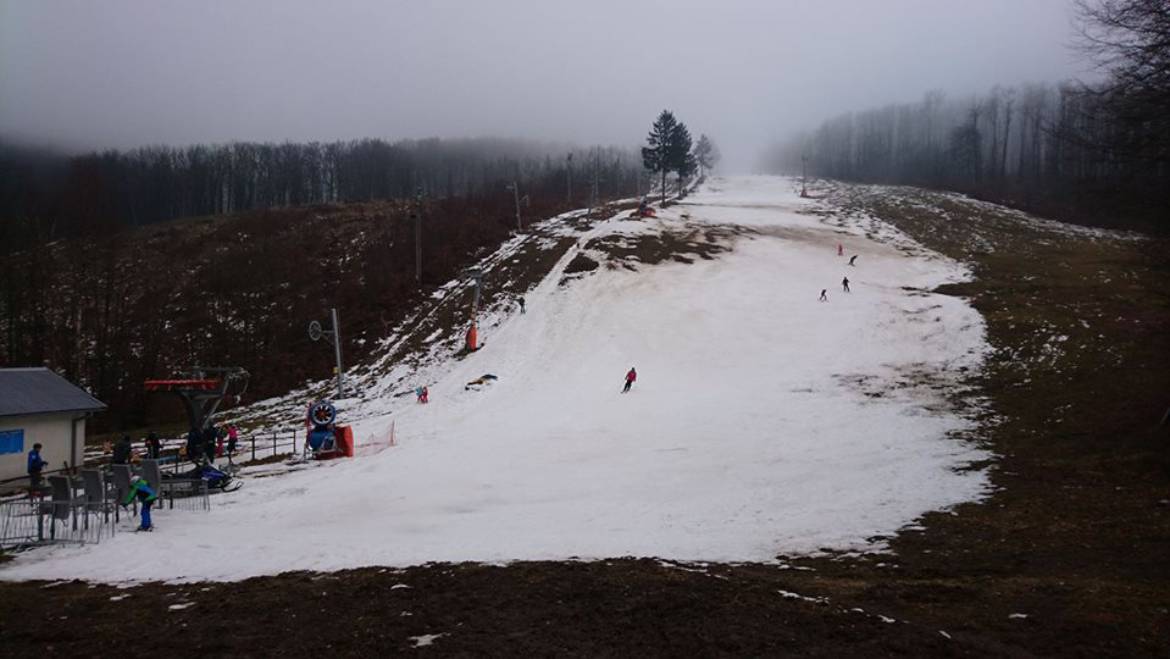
37,406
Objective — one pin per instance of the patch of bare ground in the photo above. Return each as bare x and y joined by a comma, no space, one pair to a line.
681,243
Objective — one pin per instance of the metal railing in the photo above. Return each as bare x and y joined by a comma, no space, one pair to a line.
184,494
173,460
33,522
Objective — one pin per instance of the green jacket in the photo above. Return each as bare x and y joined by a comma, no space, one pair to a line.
140,489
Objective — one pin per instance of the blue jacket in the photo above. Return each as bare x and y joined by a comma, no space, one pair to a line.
35,463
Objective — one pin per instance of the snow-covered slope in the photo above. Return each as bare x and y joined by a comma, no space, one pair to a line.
763,422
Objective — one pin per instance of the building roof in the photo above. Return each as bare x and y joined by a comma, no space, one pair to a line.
41,391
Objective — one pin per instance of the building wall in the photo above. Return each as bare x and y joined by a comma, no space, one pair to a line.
51,430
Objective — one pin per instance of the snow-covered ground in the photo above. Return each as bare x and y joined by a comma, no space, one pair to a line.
763,422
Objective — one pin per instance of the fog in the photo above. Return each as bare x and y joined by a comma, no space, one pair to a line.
86,75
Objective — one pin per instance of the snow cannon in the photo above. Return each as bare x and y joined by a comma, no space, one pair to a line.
472,338
327,439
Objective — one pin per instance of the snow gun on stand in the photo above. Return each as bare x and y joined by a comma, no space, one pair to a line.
326,439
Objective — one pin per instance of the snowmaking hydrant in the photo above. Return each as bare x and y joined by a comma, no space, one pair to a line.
327,439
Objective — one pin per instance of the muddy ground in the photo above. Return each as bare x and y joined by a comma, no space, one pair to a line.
1069,557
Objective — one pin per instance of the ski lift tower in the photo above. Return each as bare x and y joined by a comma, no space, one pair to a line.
202,391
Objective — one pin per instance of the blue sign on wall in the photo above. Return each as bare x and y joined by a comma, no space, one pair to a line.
11,441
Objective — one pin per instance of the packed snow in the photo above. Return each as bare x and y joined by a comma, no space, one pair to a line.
762,423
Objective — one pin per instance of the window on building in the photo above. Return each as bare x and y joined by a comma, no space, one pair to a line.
11,441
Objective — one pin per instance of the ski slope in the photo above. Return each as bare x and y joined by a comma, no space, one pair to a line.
763,422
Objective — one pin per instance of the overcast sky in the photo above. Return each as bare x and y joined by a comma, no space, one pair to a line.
87,74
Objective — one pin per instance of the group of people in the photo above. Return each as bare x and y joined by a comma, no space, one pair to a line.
844,281
208,444
122,454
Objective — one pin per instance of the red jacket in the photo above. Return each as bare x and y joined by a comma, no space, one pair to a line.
632,376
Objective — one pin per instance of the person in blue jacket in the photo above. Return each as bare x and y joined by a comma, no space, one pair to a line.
35,464
146,496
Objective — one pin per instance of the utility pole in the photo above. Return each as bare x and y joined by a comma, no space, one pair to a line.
516,197
569,167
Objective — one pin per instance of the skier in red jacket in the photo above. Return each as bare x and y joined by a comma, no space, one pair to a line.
630,378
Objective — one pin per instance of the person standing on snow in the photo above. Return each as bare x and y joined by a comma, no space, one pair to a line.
824,295
122,451
153,446
845,284
521,301
840,249
35,465
146,496
631,377
233,438
193,450
210,437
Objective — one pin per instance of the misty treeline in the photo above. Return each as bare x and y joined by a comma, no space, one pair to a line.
1089,152
108,307
45,196
670,148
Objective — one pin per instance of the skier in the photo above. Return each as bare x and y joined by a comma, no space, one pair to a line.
840,249
422,394
521,301
853,260
824,295
631,377
35,465
146,496
845,284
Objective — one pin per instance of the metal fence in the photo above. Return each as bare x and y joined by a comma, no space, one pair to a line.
33,522
184,494
258,446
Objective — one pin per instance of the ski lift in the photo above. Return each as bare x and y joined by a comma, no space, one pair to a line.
203,390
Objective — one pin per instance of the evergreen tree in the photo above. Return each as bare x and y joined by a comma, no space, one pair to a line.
679,150
656,155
